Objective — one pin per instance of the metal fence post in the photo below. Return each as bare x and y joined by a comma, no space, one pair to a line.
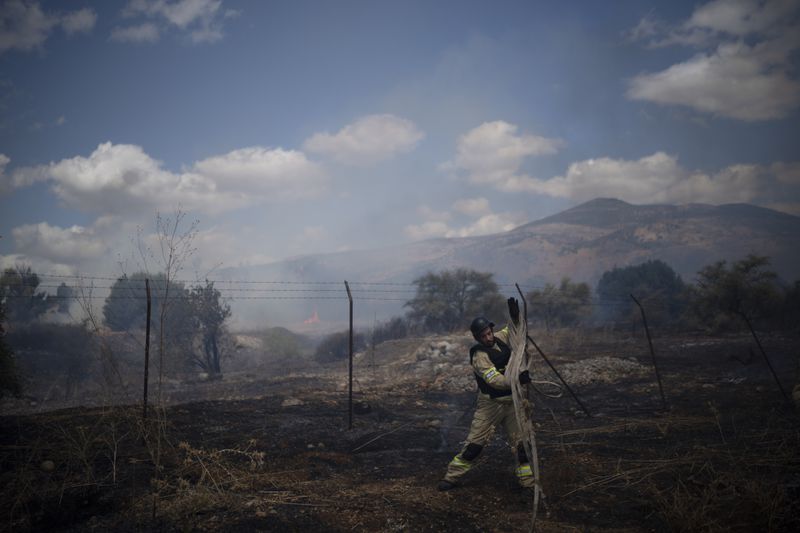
761,349
652,353
350,382
146,349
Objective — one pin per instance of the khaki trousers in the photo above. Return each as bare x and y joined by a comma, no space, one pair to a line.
488,414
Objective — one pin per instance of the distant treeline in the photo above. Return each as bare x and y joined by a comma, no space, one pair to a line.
724,297
189,323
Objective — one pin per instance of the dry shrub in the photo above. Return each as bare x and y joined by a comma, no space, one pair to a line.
204,480
711,506
71,460
228,468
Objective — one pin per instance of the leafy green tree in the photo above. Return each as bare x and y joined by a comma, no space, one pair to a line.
18,289
209,313
193,326
126,305
125,309
565,305
9,381
659,289
450,299
747,289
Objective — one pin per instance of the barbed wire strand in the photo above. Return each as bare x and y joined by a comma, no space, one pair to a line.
156,279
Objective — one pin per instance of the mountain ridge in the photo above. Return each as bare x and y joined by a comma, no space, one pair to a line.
620,226
581,243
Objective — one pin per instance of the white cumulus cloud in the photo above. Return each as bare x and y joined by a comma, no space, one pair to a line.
124,178
488,224
140,33
63,245
472,206
181,13
485,225
635,181
5,183
368,140
81,21
200,20
660,178
38,265
736,183
741,17
736,81
787,173
744,69
492,154
440,223
268,172
428,213
426,230
25,26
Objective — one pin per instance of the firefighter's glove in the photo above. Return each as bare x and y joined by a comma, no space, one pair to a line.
524,377
513,310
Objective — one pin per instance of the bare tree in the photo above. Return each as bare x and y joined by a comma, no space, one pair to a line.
174,245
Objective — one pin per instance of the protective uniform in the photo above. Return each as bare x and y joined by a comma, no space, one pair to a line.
495,407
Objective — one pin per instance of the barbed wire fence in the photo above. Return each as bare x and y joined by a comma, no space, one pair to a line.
87,288
269,290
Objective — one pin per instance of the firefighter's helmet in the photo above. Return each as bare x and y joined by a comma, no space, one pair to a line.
480,324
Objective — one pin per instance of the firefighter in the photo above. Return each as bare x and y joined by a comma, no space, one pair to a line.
495,407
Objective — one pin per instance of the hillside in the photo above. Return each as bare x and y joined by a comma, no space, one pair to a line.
581,242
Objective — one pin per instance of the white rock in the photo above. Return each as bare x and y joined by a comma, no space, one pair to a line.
291,402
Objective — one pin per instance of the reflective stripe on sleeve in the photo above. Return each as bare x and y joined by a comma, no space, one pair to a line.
489,374
524,471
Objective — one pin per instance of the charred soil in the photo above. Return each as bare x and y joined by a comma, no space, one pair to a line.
722,454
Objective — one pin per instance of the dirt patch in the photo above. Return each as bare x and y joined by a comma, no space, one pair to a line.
602,370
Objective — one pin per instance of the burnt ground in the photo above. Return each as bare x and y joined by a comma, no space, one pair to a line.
723,456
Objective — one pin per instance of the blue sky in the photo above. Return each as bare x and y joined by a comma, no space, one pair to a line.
293,127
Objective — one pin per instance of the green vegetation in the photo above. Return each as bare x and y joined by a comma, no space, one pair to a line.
655,284
566,305
193,318
725,294
449,300
9,381
208,313
18,289
125,307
